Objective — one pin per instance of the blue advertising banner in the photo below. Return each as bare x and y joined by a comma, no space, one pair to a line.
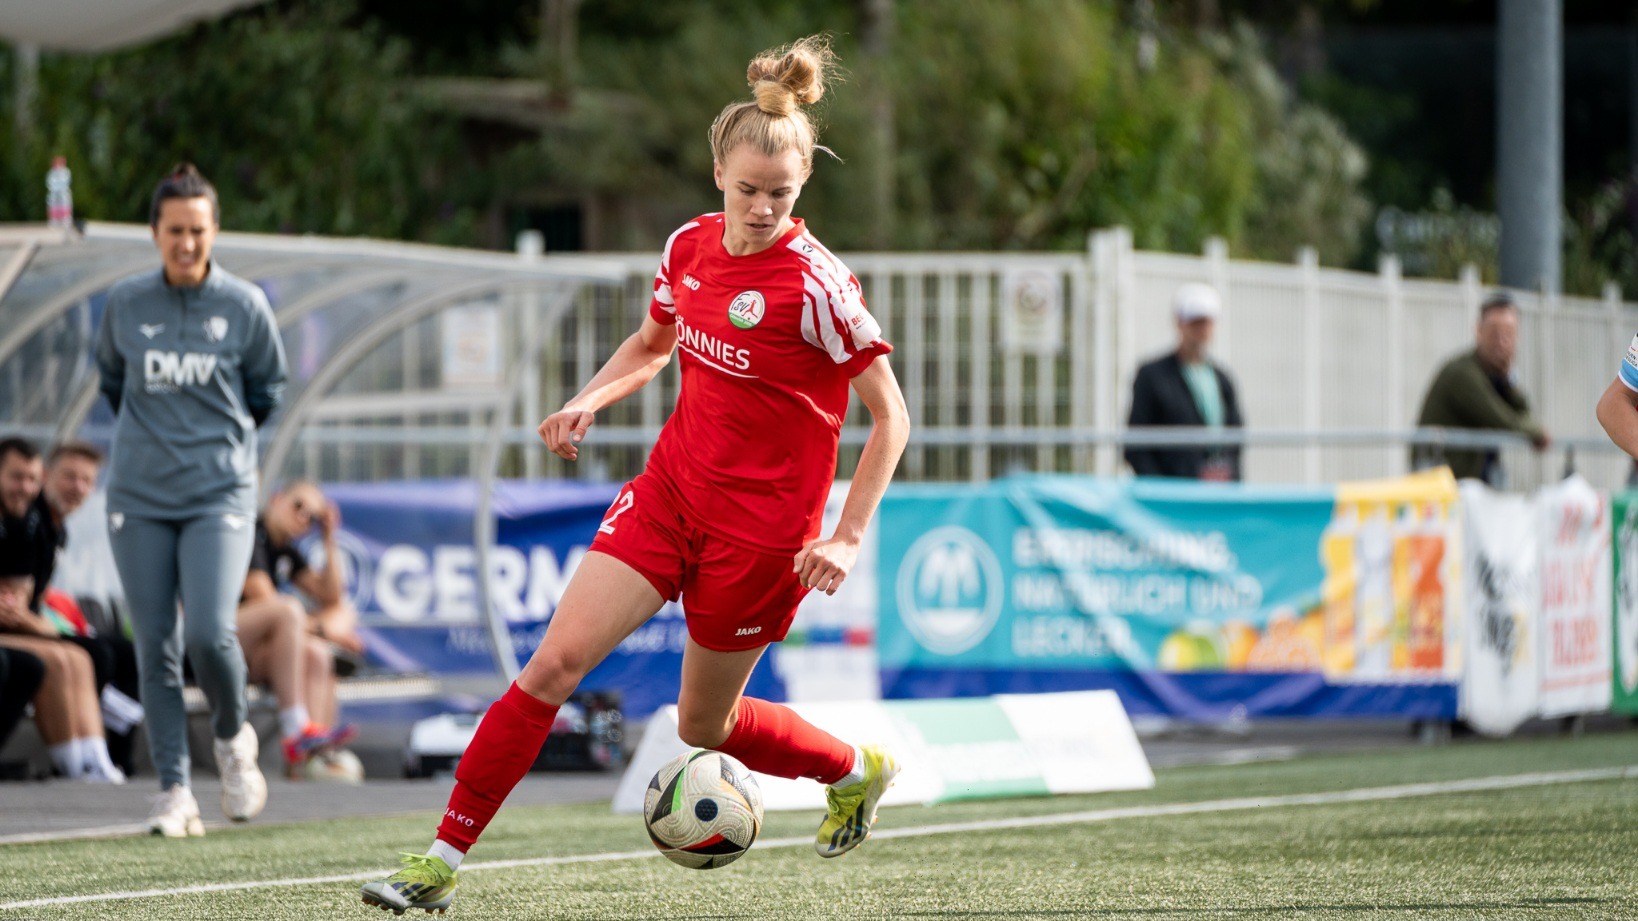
413,577
1190,600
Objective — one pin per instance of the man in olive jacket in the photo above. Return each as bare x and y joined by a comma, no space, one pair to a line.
1477,390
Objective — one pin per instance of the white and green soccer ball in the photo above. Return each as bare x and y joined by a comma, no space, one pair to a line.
703,809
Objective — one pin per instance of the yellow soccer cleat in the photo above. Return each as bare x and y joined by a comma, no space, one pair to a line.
853,807
425,882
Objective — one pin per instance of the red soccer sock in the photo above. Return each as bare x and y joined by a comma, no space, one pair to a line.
772,739
502,750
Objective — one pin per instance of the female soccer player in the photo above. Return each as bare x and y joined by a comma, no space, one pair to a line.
191,363
772,330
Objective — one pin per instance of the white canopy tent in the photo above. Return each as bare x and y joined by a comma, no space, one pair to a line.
406,361
102,25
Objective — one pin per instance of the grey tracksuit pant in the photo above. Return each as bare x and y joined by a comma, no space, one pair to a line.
202,561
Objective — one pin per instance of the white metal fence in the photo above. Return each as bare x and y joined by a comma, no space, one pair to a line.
1009,361
1330,364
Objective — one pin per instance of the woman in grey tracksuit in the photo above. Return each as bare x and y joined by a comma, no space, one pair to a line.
191,363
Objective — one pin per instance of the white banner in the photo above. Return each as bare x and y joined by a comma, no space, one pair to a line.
967,748
1575,574
1500,683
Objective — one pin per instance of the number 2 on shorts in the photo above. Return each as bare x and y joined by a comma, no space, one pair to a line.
621,505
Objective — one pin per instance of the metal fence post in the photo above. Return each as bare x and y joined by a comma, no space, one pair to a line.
985,304
1394,370
1124,302
531,244
1098,382
1312,342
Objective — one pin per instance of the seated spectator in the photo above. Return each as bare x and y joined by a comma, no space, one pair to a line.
285,646
70,476
20,677
66,709
66,706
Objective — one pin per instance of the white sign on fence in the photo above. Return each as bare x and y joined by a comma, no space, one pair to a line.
1574,542
471,346
1500,685
1032,315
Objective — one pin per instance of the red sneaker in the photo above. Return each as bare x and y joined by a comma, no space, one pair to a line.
312,740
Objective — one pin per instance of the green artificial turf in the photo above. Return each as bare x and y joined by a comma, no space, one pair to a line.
1564,850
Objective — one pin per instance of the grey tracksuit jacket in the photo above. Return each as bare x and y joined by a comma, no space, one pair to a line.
190,373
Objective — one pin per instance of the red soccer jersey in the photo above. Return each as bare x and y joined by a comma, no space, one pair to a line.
767,344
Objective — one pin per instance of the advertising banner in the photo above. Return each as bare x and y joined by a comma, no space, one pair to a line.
1625,642
978,748
1574,543
412,574
1191,600
1500,684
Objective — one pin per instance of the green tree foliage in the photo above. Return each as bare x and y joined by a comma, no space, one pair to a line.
1309,171
1019,125
300,120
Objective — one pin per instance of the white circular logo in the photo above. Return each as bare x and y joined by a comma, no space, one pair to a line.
747,309
949,589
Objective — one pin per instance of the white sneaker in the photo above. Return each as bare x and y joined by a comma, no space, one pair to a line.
99,767
244,789
176,814
103,773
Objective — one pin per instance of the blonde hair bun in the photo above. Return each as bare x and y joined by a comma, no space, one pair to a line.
783,78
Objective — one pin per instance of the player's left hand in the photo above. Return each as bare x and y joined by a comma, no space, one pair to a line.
823,564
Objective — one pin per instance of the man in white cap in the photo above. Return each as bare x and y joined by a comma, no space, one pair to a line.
1184,387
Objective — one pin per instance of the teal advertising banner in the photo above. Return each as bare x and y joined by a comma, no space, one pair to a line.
1188,599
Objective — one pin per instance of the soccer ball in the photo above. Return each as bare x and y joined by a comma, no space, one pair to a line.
334,765
703,809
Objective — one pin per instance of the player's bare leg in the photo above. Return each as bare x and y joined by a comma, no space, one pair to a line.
768,737
605,601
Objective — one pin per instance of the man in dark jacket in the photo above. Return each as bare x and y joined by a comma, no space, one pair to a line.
1477,390
1184,387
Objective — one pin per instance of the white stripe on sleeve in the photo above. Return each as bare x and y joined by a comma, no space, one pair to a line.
662,278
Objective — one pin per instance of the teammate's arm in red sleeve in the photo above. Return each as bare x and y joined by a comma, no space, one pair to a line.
824,563
631,366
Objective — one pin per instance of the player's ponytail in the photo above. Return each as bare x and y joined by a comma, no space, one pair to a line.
783,81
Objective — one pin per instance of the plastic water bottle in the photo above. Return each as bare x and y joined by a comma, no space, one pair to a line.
59,199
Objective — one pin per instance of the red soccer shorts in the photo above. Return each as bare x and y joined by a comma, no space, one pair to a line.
733,597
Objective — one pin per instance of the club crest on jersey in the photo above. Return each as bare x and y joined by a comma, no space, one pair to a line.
747,309
216,329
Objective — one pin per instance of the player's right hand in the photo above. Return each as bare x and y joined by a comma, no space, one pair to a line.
563,430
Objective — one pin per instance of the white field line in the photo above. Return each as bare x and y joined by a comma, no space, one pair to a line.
1362,795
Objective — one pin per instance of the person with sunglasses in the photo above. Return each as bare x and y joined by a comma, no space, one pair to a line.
286,647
